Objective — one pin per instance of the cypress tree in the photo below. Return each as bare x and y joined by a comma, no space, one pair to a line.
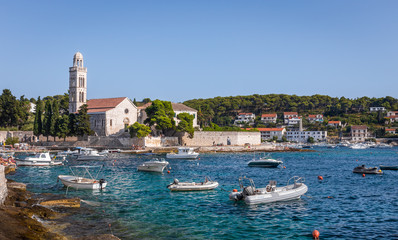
47,119
54,119
38,125
83,122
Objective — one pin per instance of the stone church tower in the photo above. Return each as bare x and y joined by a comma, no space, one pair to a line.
77,84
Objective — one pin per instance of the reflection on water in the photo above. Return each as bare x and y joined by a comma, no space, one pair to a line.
138,204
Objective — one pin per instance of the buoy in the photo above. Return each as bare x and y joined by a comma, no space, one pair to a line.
315,234
379,170
235,190
198,158
357,160
284,166
168,172
363,175
330,197
170,168
320,178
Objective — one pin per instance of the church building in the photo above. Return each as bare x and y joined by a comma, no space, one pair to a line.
108,116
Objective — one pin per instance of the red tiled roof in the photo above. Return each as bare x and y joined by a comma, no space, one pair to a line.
268,115
359,127
390,129
334,122
103,104
290,113
314,116
392,116
270,129
145,105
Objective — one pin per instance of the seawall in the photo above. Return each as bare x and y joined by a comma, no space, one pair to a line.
3,185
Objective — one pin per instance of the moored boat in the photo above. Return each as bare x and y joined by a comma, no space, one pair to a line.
39,159
155,165
265,163
87,154
183,153
369,170
271,193
395,167
83,182
192,186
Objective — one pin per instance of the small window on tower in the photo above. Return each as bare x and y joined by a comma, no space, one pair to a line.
111,123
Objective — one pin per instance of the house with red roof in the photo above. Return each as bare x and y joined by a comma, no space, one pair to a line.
290,115
334,123
390,130
110,116
359,133
315,118
269,117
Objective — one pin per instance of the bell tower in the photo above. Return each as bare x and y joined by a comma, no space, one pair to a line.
77,83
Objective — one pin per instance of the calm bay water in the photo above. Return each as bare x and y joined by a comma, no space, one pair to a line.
137,205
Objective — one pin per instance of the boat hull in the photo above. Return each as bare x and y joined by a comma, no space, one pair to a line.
291,194
264,164
80,183
21,162
182,156
388,167
193,186
152,167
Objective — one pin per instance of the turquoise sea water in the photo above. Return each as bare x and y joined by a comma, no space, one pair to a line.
137,205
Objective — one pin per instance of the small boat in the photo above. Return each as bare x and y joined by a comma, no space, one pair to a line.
87,154
264,162
40,159
370,170
359,146
155,165
183,153
271,193
382,167
83,182
192,186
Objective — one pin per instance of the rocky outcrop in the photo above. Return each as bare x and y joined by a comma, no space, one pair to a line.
3,185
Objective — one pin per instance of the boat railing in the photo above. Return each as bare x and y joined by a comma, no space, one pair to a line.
241,179
296,180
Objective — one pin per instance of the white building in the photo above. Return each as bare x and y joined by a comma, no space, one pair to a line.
245,118
359,133
77,83
289,115
376,109
293,120
269,133
315,118
177,108
111,116
108,116
390,130
302,136
269,118
392,113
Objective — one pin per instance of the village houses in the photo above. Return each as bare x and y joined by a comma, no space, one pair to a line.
269,117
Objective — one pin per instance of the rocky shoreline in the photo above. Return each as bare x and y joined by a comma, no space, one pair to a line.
28,216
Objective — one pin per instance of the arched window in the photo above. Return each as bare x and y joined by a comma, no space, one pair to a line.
83,97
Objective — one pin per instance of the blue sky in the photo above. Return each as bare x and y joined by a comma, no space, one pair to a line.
181,50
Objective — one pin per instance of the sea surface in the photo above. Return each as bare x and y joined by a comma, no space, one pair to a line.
137,205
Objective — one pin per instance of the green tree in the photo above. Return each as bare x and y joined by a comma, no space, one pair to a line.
47,119
72,124
310,140
161,115
83,122
146,100
8,109
54,119
139,130
37,125
63,126
186,123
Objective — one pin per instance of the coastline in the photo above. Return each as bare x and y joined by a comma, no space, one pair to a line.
27,218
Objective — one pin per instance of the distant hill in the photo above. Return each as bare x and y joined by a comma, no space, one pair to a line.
223,110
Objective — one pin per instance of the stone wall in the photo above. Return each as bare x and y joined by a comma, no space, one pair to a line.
23,136
204,138
3,185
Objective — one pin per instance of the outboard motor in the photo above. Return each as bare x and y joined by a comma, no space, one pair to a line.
101,181
235,196
175,182
247,191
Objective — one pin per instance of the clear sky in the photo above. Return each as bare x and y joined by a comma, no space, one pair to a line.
180,50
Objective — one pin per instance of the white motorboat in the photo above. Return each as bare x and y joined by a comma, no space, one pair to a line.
271,193
39,159
183,153
265,161
192,186
87,154
83,182
358,146
155,165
